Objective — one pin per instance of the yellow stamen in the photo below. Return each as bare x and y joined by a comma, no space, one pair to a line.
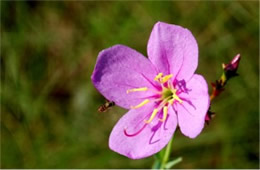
166,78
171,101
174,91
137,89
175,97
141,104
152,116
158,76
165,112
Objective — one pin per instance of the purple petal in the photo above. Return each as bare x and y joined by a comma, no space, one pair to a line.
173,49
119,69
150,140
191,113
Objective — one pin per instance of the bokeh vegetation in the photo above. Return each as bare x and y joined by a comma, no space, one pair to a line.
49,115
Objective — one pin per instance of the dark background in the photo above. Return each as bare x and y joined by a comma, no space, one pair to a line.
49,115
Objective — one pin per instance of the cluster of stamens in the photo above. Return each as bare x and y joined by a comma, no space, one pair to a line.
167,96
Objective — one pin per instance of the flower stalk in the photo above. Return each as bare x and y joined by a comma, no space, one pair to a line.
166,154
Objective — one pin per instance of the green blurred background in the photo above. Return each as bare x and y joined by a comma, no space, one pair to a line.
49,115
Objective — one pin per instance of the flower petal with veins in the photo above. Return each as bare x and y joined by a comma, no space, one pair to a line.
161,91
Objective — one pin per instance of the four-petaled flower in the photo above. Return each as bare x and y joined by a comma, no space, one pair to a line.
161,91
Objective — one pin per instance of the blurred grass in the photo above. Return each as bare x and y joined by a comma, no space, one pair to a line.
49,106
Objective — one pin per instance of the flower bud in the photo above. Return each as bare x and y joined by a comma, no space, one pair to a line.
230,69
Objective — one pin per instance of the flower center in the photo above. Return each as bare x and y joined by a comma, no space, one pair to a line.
168,95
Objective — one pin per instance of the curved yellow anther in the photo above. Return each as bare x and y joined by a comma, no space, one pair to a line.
141,104
175,97
166,78
155,111
158,76
165,112
137,89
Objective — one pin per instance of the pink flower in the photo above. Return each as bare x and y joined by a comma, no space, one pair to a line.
161,91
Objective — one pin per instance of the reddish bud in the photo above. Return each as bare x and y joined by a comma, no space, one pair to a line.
230,69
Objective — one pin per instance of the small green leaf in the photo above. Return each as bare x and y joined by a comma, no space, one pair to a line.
173,162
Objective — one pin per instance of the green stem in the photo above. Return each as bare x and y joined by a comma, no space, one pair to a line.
166,154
